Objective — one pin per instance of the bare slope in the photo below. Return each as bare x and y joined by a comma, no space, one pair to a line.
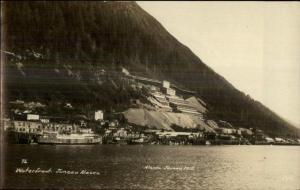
164,120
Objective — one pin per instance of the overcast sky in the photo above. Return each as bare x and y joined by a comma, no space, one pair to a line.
254,45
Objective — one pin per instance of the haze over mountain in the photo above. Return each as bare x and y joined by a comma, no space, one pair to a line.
64,46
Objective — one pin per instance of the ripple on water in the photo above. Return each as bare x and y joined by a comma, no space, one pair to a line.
123,167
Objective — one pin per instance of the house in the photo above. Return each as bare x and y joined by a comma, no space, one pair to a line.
125,71
113,124
99,115
68,105
83,123
45,120
166,84
33,117
120,133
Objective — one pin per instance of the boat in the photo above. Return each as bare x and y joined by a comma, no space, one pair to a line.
138,141
119,140
68,139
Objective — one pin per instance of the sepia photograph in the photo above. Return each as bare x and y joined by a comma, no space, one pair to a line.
150,95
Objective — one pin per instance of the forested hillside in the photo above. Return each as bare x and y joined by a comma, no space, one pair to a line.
63,47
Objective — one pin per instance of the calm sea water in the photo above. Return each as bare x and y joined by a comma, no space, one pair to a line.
155,167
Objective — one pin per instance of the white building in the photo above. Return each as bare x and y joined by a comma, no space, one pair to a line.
44,120
99,115
166,84
33,117
125,71
26,126
6,123
68,105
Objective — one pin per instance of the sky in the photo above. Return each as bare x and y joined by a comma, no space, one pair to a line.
253,45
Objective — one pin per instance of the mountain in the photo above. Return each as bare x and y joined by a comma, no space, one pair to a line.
56,51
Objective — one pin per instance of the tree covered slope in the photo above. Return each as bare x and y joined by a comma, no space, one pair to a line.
78,40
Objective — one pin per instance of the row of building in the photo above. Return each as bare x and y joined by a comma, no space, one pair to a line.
39,127
35,123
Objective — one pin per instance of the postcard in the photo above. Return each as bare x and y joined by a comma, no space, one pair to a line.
150,95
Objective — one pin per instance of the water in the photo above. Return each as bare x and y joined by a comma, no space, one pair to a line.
153,167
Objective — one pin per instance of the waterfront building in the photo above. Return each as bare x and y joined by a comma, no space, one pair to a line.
38,127
246,132
26,126
178,134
